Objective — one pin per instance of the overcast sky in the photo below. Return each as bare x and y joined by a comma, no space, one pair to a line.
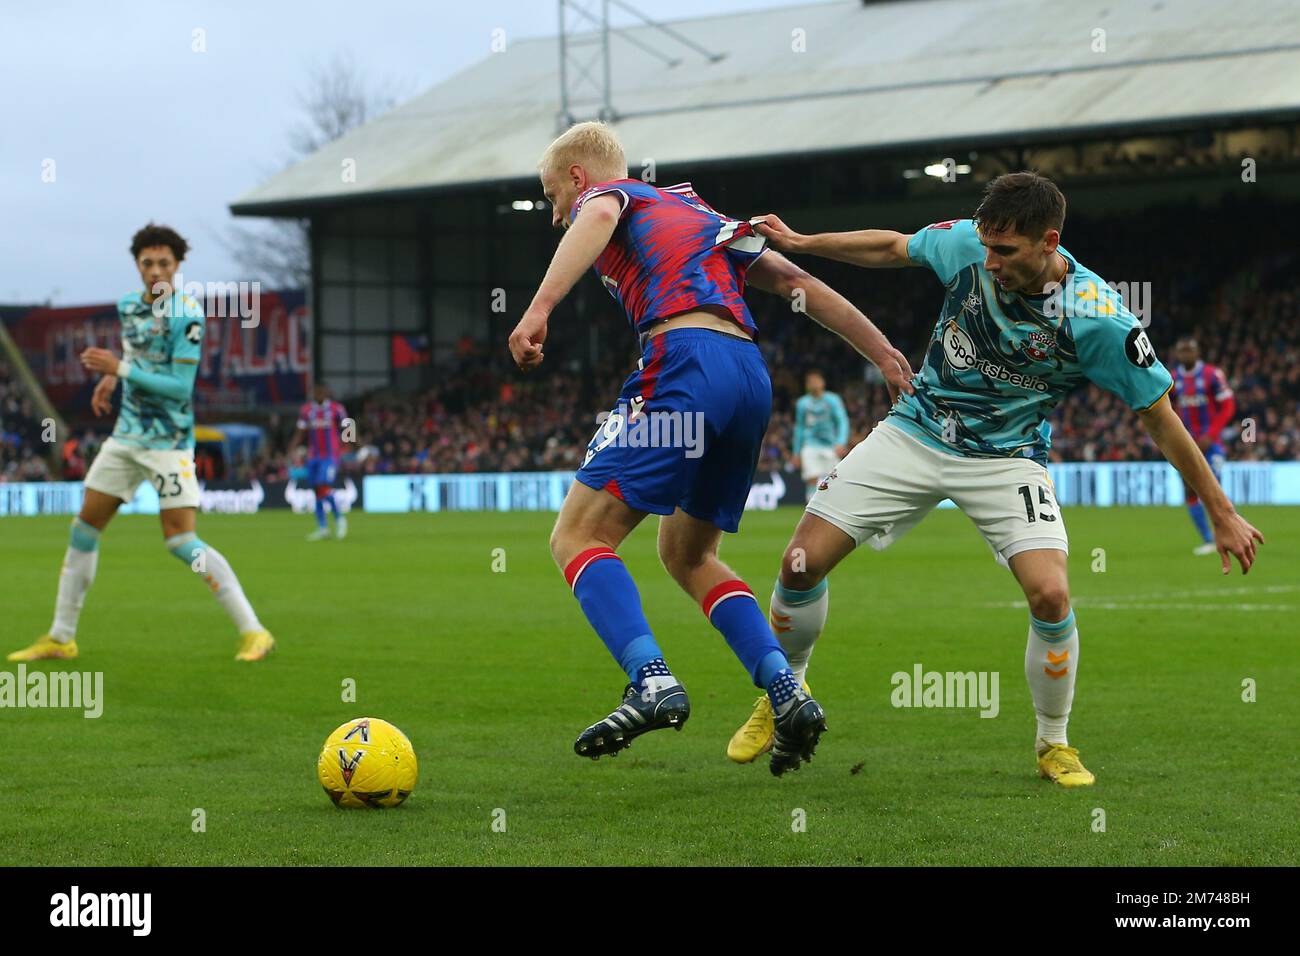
138,126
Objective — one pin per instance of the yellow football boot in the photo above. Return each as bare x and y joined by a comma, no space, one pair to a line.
754,738
45,648
255,645
1060,764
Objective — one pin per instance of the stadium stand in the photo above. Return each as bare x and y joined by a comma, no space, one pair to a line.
1241,300
21,451
1242,303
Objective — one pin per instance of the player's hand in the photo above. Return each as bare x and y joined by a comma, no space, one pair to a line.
101,402
1204,442
779,236
99,360
841,451
1234,535
897,372
526,340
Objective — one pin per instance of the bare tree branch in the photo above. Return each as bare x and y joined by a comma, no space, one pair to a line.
336,99
276,253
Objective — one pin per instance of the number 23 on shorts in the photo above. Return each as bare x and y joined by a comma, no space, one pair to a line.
160,483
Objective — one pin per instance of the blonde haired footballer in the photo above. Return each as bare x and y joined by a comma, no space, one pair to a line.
1023,323
152,440
678,268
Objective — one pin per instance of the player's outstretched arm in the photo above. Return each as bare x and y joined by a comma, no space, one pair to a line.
1233,534
773,272
580,247
870,248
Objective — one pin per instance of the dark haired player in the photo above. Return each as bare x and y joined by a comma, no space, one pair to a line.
1023,322
678,268
821,431
1205,403
321,422
153,440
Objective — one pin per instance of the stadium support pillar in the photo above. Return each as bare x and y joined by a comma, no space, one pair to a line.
23,372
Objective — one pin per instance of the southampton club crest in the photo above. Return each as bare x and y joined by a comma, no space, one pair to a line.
1039,345
826,482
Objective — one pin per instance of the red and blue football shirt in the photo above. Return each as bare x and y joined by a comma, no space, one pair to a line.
322,421
673,253
1204,399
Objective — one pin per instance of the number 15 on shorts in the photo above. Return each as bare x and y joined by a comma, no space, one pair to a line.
1033,511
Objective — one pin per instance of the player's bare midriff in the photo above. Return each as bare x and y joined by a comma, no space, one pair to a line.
697,320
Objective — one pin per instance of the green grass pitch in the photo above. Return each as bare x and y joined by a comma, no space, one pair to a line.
492,675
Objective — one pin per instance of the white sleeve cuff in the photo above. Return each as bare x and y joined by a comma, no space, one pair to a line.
595,191
123,369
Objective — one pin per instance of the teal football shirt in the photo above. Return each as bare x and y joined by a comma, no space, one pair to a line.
999,361
822,422
157,397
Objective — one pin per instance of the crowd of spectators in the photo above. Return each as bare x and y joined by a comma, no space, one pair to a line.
484,418
1241,300
23,454
1241,303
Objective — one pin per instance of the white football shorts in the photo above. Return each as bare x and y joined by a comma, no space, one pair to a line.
816,461
890,481
119,468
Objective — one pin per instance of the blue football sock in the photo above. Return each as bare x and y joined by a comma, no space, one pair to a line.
782,690
333,505
320,513
610,600
1197,511
733,610
653,668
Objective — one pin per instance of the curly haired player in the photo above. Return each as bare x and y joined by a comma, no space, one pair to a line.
153,440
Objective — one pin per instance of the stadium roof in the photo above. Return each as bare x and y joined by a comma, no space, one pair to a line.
872,76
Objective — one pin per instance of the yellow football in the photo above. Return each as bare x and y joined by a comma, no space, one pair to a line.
367,763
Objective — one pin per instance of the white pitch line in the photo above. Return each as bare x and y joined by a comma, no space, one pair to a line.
1189,606
1113,599
1208,592
1148,606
